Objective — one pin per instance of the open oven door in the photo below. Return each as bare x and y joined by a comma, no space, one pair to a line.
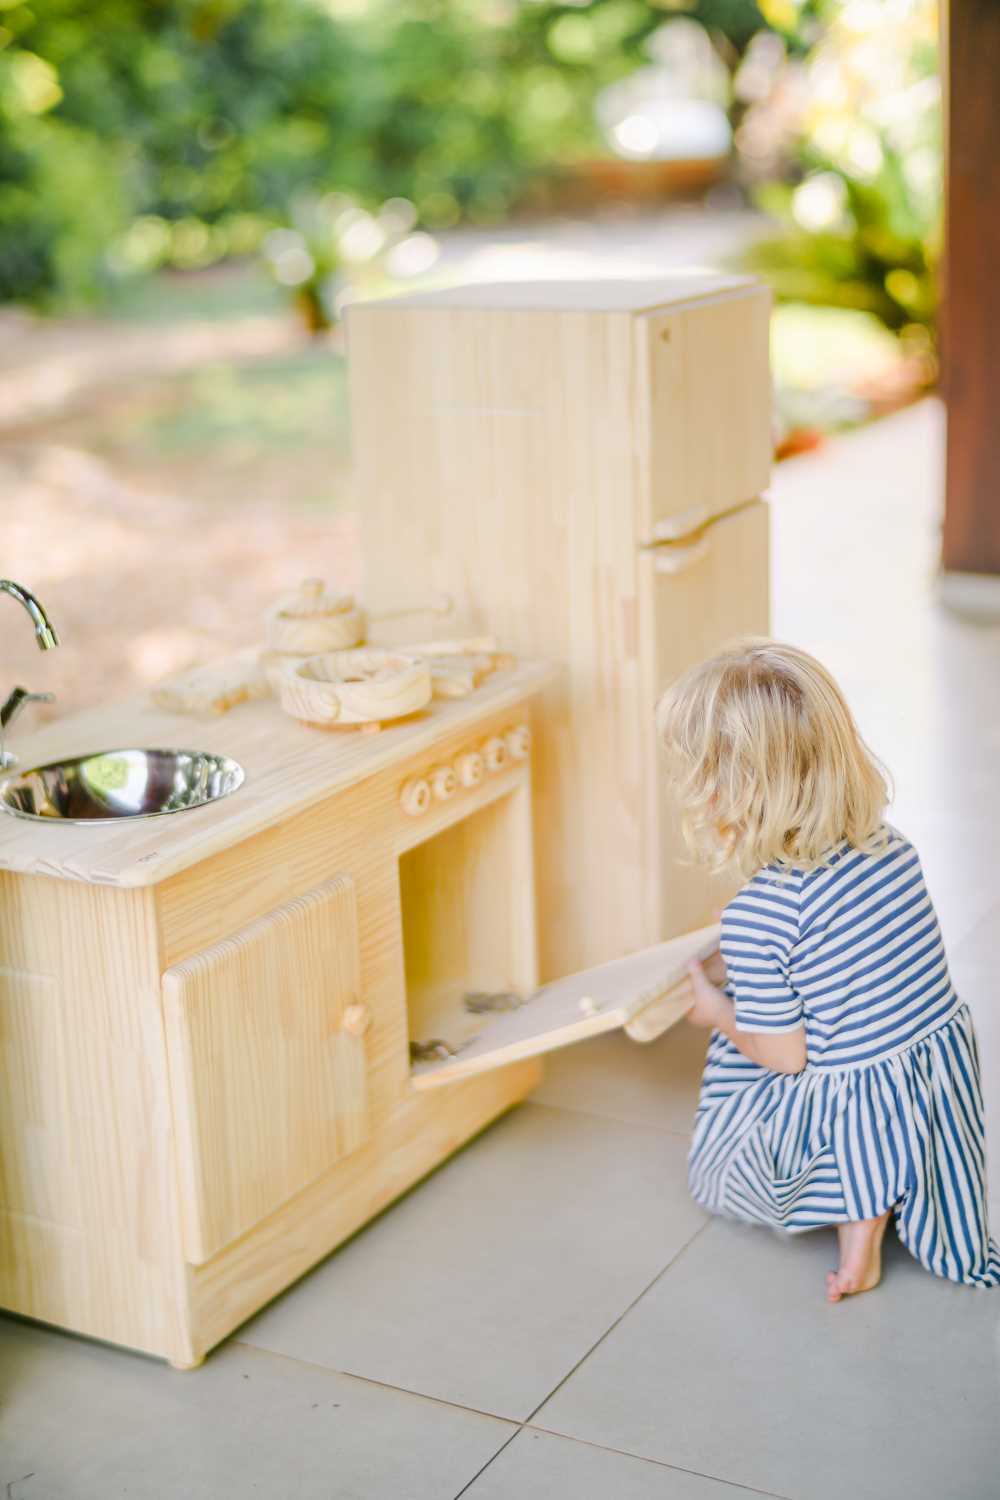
645,993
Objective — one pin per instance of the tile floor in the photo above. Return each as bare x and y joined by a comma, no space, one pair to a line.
549,1315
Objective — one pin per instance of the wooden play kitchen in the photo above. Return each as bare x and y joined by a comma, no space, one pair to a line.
578,466
228,1038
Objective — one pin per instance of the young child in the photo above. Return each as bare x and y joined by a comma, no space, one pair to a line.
841,1083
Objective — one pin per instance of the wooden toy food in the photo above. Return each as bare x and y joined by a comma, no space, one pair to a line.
457,674
215,688
459,665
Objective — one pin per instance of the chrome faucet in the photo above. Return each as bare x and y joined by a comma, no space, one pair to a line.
10,709
47,638
44,629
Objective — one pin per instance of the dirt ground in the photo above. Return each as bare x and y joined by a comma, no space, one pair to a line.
158,487
139,585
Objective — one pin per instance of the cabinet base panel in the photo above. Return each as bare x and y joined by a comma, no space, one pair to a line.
226,1291
89,1283
423,1132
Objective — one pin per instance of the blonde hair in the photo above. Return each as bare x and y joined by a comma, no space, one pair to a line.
768,763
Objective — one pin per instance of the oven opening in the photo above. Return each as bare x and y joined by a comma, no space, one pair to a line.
468,925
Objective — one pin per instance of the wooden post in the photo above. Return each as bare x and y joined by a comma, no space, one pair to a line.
971,332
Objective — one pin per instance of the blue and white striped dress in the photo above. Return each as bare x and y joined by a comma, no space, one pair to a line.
888,1111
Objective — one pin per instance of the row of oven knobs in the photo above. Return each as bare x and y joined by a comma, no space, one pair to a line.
470,768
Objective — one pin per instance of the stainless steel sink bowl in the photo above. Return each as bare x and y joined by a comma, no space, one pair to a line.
116,784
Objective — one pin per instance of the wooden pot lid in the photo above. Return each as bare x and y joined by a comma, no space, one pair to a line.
312,620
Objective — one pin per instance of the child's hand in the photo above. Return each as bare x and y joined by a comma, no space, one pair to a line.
710,1006
714,967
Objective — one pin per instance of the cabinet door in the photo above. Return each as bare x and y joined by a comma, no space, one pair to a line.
267,1063
703,411
694,596
643,992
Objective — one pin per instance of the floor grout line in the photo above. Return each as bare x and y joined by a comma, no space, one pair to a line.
523,1424
404,1390
519,1424
385,1385
481,1471
644,1458
576,1109
612,1326
645,1125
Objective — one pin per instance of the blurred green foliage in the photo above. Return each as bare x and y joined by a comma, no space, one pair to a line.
136,133
880,258
860,200
61,198
197,122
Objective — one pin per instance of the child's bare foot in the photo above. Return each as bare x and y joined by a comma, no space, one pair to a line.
860,1266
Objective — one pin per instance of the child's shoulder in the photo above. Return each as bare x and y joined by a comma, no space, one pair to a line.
849,868
790,885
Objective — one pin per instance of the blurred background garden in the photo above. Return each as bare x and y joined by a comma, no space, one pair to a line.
191,190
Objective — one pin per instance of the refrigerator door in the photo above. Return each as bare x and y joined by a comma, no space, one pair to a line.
702,410
644,993
695,595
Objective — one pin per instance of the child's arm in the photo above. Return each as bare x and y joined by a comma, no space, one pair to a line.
782,1053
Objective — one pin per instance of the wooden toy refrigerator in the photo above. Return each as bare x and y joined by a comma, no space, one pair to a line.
578,466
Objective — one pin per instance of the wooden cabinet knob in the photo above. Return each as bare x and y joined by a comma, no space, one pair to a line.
518,742
357,1019
495,753
415,796
471,768
444,782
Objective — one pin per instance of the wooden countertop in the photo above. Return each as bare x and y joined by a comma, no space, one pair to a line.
288,766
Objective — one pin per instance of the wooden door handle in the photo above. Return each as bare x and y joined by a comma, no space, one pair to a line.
674,558
357,1019
681,523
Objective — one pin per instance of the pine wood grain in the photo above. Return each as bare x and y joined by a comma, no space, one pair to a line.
423,1130
702,412
541,435
711,594
268,1086
604,998
89,1232
119,1108
467,900
289,766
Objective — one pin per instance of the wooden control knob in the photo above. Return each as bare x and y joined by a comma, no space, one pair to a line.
495,753
357,1019
444,782
415,796
518,742
471,768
